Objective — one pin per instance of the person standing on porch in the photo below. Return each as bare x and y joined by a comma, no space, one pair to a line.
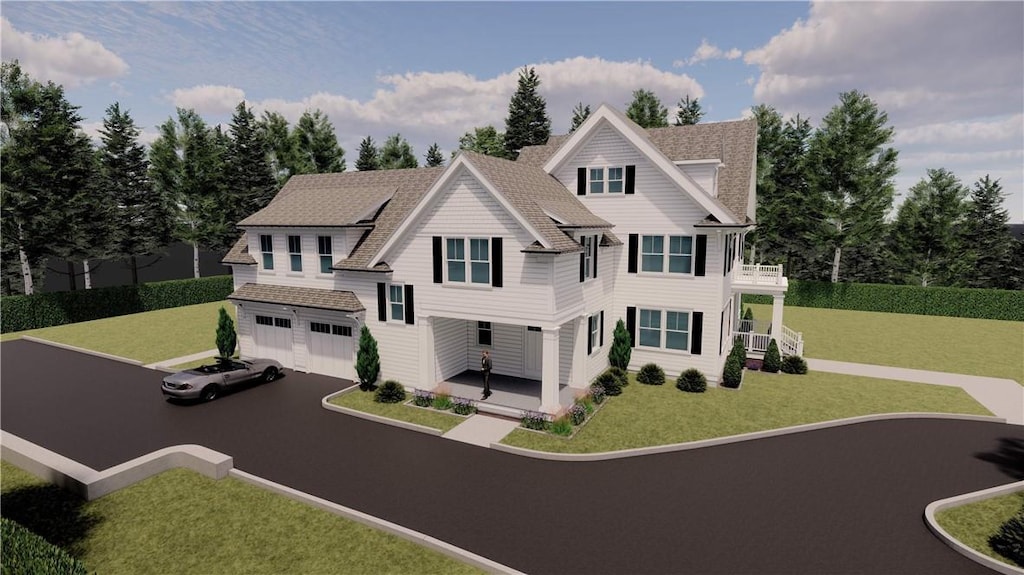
485,369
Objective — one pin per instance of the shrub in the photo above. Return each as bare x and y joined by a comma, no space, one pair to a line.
621,375
622,350
1009,541
577,413
463,406
390,392
748,314
609,383
597,393
442,401
227,340
534,420
422,398
739,350
367,360
651,374
692,380
772,360
732,374
794,364
561,426
26,552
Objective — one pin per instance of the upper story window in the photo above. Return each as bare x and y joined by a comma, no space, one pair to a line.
325,249
479,260
295,252
652,252
594,337
680,254
588,256
456,258
397,300
603,180
267,249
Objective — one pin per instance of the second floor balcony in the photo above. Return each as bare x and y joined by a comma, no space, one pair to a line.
768,278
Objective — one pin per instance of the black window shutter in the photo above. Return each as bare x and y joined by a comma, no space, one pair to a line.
725,257
702,252
721,327
581,182
697,333
382,301
597,244
583,258
630,178
634,245
590,335
438,260
631,325
496,260
410,312
602,328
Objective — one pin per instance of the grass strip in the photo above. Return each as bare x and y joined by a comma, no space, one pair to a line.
972,524
363,401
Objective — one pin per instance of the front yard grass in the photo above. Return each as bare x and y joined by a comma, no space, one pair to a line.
363,401
182,522
646,415
974,523
147,337
985,347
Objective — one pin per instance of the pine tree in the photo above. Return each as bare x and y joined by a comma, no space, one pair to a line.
689,112
144,215
367,360
434,157
227,339
924,240
988,246
282,154
646,110
486,140
852,170
622,347
772,358
369,157
397,154
579,115
527,123
316,145
250,180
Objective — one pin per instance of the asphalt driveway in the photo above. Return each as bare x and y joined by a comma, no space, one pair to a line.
840,500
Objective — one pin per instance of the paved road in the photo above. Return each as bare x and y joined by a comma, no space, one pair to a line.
840,500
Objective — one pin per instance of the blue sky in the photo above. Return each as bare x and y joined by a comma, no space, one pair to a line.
949,74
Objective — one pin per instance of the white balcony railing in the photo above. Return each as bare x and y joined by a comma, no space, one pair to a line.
760,274
757,335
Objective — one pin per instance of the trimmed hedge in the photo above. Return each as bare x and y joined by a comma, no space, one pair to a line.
21,312
26,552
943,301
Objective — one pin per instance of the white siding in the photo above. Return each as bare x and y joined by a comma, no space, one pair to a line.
244,323
397,342
310,275
704,174
451,344
243,274
566,345
506,349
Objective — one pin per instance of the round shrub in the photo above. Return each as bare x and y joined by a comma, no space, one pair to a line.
610,383
620,374
794,364
772,360
651,374
732,374
692,380
390,392
1009,541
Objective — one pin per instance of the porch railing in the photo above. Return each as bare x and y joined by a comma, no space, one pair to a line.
757,335
760,274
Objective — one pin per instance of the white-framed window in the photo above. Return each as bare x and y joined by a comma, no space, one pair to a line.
673,324
680,254
295,252
479,260
650,328
595,332
484,333
325,249
588,256
652,254
396,297
615,180
267,249
606,180
456,257
596,181
677,330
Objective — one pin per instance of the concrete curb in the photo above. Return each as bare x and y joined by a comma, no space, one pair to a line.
377,523
621,454
91,484
942,504
81,350
374,418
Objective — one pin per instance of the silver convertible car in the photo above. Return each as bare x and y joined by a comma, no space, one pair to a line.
208,381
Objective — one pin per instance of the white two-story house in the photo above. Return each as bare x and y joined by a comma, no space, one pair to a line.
534,260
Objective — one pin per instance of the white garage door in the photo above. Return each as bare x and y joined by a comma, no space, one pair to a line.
272,338
330,349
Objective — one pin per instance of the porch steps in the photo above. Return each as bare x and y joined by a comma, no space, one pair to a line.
482,430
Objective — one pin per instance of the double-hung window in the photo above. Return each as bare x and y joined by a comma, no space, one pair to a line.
650,327
595,332
674,325
677,330
652,254
615,180
397,300
295,252
456,254
267,249
588,256
483,333
606,180
596,180
680,254
324,250
480,260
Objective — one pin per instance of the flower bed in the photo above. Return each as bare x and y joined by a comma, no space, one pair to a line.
441,400
567,422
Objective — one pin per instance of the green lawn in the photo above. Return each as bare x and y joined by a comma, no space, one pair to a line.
147,337
957,345
974,523
363,401
182,522
191,364
657,415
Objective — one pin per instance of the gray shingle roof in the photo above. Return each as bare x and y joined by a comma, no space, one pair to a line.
298,296
239,253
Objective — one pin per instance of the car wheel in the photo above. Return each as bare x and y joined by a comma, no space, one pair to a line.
270,374
210,392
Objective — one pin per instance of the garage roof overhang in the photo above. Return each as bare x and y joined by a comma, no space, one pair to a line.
332,300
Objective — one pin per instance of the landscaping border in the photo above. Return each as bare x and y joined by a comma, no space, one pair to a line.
325,403
34,339
973,497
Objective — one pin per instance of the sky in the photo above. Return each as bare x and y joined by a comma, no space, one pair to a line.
950,75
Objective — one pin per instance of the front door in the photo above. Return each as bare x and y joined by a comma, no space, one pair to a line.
533,346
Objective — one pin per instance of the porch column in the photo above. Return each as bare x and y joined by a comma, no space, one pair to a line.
427,377
777,301
579,354
549,372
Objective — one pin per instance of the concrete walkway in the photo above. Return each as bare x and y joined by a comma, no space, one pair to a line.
168,363
1003,397
481,430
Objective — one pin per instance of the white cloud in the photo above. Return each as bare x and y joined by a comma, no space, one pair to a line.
707,51
208,99
982,132
71,60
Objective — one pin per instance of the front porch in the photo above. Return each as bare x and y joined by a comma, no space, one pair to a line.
756,334
510,395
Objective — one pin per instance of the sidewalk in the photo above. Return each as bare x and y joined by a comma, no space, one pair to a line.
1003,397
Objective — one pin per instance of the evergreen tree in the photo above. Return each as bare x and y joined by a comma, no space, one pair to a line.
227,339
283,155
369,157
579,115
924,238
486,140
689,112
434,157
250,180
646,110
622,347
852,170
527,123
772,358
988,247
316,145
396,154
144,214
367,360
